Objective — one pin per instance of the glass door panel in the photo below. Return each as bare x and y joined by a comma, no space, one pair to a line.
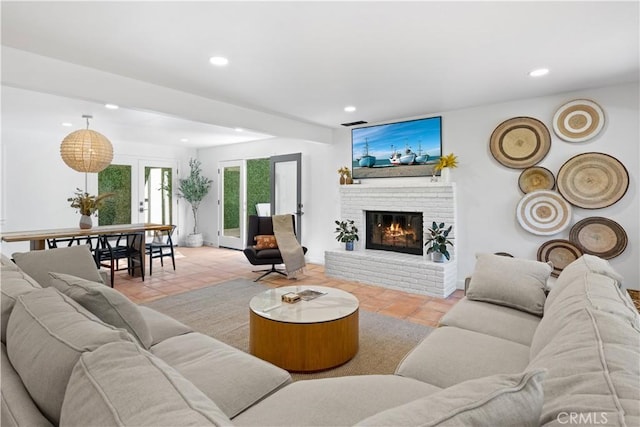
117,209
286,188
232,204
157,203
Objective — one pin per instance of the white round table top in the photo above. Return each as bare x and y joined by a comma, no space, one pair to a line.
335,304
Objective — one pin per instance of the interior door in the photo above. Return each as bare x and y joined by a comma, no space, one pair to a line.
286,187
232,201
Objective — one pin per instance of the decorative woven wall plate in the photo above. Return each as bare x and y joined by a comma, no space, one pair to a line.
560,253
536,178
543,212
593,180
578,120
520,142
599,236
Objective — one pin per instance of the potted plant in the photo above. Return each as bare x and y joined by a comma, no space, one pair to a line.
347,233
437,242
445,164
193,189
87,205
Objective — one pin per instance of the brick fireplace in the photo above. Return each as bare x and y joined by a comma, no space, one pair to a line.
396,206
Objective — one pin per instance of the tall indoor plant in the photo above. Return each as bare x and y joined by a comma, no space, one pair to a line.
193,189
437,242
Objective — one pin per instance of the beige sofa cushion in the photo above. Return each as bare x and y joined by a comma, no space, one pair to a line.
108,304
162,326
17,407
6,264
46,334
13,283
491,319
593,369
500,400
75,260
233,379
443,357
340,401
101,392
512,282
577,269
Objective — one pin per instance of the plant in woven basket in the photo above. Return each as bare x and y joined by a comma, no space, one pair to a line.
438,239
87,204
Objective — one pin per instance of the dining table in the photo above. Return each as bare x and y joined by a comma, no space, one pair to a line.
37,238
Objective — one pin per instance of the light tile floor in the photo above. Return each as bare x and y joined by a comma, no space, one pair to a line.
207,266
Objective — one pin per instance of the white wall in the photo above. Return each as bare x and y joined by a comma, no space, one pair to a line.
488,192
36,183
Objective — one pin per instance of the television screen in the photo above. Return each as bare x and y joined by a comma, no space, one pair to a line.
401,149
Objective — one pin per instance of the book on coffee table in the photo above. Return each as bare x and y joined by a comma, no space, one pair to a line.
309,294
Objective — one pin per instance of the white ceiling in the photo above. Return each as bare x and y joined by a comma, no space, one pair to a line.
308,60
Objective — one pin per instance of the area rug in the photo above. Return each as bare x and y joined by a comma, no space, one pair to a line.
222,312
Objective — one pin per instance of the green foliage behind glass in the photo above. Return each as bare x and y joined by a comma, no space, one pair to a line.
117,209
258,184
231,198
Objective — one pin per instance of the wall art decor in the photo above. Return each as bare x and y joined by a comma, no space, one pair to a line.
593,180
578,120
560,253
599,236
536,178
520,142
543,212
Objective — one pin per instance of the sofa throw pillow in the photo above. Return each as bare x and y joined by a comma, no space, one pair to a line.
75,260
512,282
265,242
498,400
46,334
101,392
12,285
106,303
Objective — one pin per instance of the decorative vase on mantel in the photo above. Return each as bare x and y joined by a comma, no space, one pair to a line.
85,222
445,175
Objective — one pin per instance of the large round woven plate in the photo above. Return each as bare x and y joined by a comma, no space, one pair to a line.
520,142
599,236
578,120
536,178
593,180
560,253
543,212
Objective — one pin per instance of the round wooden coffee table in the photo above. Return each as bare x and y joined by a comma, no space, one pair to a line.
307,335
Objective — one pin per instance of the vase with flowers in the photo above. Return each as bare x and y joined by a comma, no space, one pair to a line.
445,164
345,175
87,205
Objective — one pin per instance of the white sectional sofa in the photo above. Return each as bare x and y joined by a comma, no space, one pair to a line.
78,353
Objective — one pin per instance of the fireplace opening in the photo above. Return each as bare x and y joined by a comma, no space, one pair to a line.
394,231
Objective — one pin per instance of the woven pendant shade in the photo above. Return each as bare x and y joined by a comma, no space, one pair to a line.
86,151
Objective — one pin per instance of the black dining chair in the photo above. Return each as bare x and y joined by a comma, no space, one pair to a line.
263,225
160,247
111,249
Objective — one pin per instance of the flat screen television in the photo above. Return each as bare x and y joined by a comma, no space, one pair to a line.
401,149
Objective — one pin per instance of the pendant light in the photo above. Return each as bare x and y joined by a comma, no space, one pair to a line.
86,150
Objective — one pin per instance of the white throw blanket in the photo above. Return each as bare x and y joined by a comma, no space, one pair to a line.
290,249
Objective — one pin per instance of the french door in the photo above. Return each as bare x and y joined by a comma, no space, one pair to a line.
286,188
232,199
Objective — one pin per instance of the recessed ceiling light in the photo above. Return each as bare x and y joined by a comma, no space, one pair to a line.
111,106
220,61
239,129
539,72
350,109
184,140
67,124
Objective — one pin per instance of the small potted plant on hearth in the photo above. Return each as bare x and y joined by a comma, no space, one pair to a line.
437,242
347,233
